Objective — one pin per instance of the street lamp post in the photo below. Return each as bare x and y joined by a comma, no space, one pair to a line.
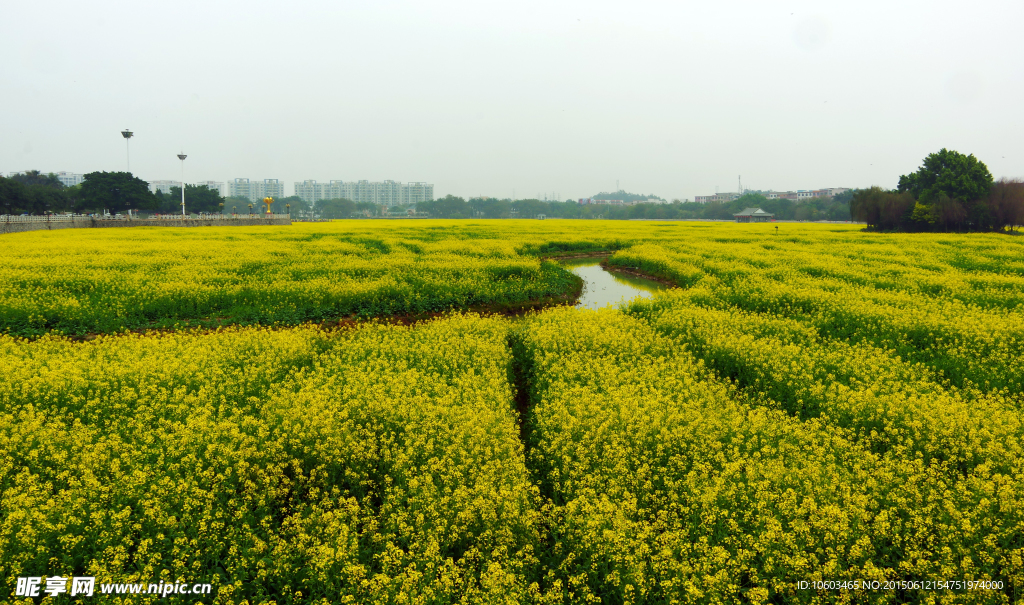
127,134
182,156
288,207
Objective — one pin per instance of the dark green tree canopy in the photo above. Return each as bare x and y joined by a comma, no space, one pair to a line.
34,177
882,209
116,191
237,204
280,205
336,208
449,206
960,177
198,198
16,197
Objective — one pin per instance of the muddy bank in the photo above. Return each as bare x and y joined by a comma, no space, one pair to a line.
638,273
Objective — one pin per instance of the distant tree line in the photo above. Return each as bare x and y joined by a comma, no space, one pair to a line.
450,206
345,208
625,196
35,193
949,192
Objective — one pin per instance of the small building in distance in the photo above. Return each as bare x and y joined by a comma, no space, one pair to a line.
801,195
753,215
718,197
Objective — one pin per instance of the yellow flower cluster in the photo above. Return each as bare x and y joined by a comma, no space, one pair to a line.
378,465
952,302
104,280
668,485
812,403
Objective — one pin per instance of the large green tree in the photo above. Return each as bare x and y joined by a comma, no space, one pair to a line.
961,177
116,191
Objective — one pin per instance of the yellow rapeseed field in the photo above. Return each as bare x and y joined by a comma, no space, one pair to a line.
376,465
812,403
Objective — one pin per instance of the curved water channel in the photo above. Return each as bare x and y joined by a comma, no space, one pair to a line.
602,287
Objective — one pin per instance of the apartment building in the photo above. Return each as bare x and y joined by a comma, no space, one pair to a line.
385,193
217,186
163,186
254,190
70,179
413,193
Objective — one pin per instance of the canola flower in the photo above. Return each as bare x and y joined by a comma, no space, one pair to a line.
666,484
821,404
951,302
378,465
108,280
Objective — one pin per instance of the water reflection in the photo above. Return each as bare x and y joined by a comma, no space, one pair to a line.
602,288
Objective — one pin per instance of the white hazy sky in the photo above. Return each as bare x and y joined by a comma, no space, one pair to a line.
671,98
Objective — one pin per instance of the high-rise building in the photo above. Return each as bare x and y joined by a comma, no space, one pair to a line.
413,193
163,186
239,188
310,191
255,191
217,186
68,179
385,193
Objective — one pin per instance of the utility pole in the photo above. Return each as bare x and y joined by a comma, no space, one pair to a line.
127,134
182,156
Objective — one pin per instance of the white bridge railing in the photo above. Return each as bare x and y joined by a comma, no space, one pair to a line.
207,217
63,218
12,218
